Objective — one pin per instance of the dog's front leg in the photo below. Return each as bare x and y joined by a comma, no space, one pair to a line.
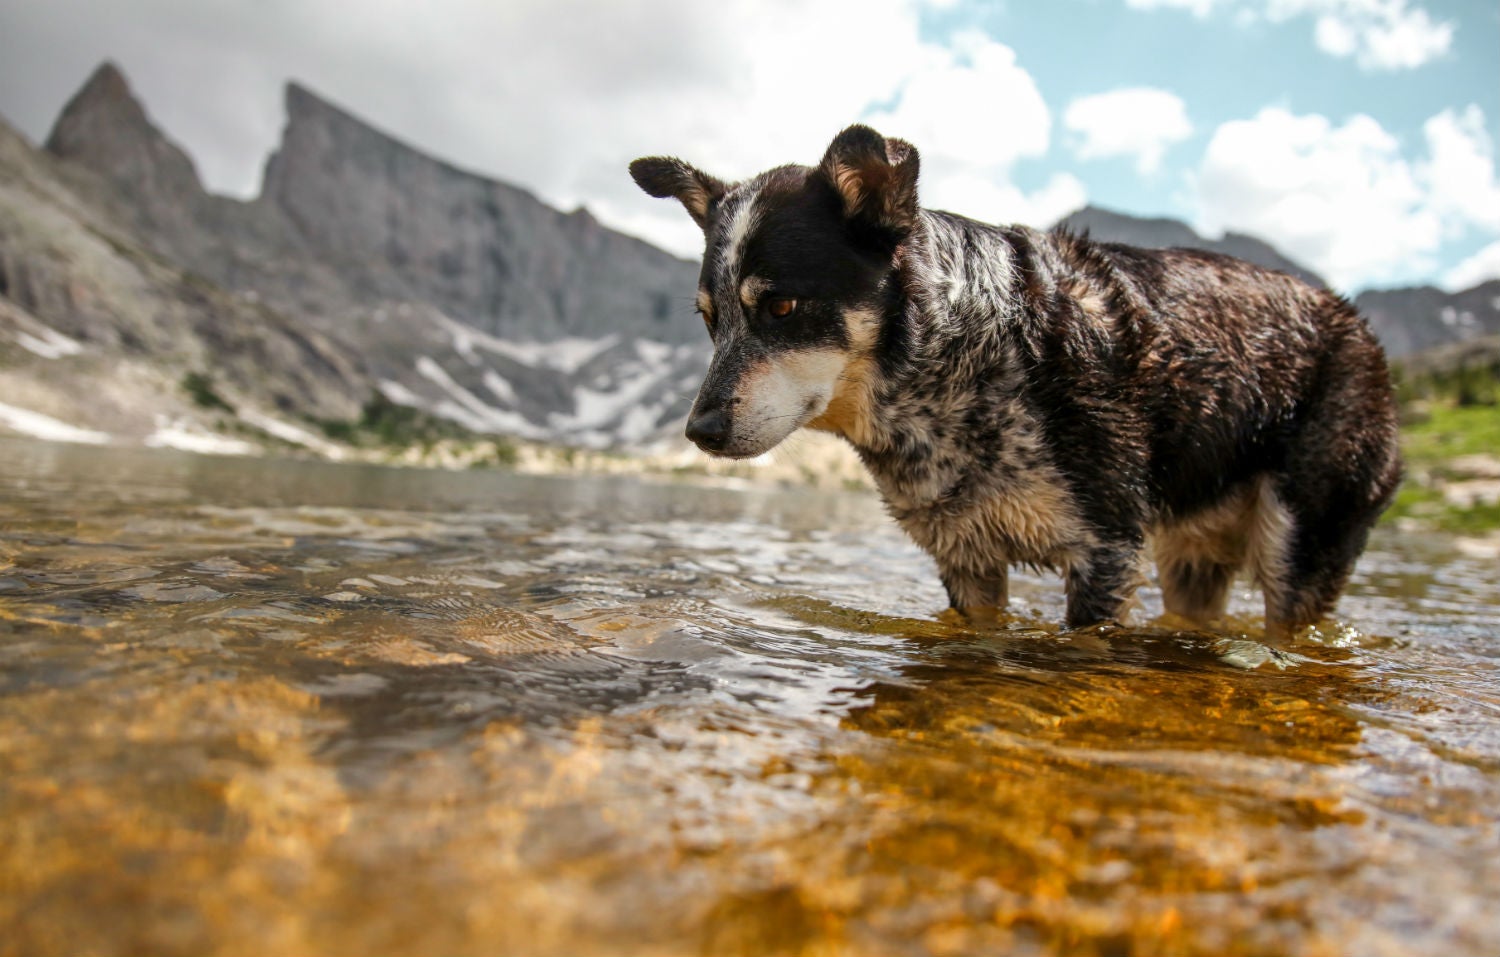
977,595
1101,588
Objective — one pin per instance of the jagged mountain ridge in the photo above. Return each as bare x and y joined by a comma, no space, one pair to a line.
457,293
96,331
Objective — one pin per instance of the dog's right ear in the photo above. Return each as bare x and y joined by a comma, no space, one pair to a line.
876,177
663,176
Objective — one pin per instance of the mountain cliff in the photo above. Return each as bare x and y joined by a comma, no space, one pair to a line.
458,294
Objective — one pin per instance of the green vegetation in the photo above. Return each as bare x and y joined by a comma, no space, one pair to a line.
1450,436
388,425
1465,377
200,387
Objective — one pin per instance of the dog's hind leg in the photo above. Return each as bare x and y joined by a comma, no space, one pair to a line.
1195,587
1340,472
1197,557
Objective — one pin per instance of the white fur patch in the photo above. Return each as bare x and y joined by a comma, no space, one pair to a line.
746,218
781,395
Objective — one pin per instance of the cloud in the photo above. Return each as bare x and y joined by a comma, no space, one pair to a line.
1378,34
970,102
994,199
1198,8
1344,199
1460,169
967,163
1483,266
1138,122
555,95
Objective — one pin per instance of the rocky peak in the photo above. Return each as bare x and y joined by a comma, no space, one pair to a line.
105,129
401,225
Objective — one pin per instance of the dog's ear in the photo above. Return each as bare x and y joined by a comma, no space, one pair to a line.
876,177
663,176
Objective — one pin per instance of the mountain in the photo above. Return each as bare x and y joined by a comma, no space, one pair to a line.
97,330
1411,321
445,290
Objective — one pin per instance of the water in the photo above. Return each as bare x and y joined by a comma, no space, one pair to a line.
265,707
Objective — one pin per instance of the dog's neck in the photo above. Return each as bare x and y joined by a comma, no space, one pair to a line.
952,322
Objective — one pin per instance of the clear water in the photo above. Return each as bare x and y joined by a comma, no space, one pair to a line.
253,707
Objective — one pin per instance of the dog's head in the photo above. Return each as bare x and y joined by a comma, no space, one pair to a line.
798,275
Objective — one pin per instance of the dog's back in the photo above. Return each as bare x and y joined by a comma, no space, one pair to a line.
1252,410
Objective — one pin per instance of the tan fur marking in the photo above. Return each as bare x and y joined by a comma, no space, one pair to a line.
1086,296
1269,535
752,289
695,199
851,409
862,326
1249,530
705,302
847,180
1040,517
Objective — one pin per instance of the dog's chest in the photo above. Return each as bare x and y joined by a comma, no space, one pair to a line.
985,495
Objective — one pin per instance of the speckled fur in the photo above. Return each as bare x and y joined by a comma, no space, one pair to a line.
1029,398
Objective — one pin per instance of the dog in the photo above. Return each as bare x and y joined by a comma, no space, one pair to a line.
1042,399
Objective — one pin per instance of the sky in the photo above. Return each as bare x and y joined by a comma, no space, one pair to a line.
1357,136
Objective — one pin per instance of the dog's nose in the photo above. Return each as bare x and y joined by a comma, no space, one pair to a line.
709,430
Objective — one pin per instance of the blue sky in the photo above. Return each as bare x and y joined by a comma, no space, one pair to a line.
1228,61
1358,136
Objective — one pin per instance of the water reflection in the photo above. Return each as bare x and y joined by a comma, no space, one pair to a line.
251,707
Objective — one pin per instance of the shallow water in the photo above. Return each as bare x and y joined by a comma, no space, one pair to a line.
256,707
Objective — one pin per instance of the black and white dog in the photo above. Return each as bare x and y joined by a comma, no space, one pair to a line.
1042,399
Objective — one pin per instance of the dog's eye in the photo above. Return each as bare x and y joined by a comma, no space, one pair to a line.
781,308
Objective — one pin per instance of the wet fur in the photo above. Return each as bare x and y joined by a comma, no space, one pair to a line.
1036,398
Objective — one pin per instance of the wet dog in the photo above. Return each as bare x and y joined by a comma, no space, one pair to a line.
1036,398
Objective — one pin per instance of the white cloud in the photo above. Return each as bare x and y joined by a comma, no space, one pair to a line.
1378,34
1139,122
1460,170
993,199
1198,8
1483,266
966,163
970,102
1344,199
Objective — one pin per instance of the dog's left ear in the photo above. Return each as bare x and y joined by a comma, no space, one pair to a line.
663,176
876,177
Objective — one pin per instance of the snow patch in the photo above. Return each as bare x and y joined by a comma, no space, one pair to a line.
50,345
502,390
399,393
288,432
564,355
468,409
180,435
40,426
